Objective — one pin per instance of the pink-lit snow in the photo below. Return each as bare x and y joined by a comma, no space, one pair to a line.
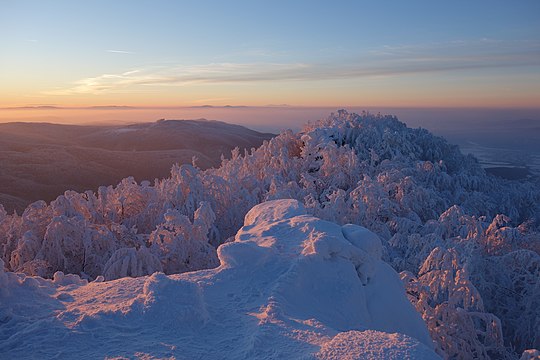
289,286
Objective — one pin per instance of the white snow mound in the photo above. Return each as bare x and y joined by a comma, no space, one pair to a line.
290,286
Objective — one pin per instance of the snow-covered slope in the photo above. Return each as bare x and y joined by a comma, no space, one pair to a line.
289,286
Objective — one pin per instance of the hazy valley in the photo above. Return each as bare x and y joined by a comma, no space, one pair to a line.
40,160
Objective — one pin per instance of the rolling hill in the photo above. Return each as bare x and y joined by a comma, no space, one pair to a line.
41,160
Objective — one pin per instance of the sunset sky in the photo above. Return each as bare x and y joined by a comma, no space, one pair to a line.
302,53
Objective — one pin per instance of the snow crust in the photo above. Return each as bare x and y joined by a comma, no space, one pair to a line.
289,286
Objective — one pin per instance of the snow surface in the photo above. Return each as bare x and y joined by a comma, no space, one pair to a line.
289,286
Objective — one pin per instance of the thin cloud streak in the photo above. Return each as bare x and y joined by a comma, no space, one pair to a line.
387,61
120,52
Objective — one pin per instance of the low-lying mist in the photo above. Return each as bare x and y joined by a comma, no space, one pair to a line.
505,137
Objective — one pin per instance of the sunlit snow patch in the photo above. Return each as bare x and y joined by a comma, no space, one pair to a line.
289,286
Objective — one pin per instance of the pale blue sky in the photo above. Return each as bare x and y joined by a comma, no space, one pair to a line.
399,53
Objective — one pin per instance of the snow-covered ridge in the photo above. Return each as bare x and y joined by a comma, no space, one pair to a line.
290,286
467,244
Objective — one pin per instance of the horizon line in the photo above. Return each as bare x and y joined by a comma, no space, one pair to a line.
269,106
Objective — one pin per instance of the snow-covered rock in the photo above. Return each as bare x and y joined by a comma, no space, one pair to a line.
289,286
531,354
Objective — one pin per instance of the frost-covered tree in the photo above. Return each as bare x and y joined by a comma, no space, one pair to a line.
183,246
453,309
510,285
131,262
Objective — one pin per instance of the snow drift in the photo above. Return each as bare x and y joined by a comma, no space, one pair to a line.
289,286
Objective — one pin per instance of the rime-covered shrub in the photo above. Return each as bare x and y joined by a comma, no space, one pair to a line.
453,309
131,262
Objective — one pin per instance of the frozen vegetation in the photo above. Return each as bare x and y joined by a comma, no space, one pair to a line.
290,286
466,245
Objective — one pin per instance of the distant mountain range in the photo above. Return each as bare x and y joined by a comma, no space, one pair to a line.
42,160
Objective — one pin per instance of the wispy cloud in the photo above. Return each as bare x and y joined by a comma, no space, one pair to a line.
186,75
385,61
120,52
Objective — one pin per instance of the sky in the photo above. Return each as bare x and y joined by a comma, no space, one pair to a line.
301,53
